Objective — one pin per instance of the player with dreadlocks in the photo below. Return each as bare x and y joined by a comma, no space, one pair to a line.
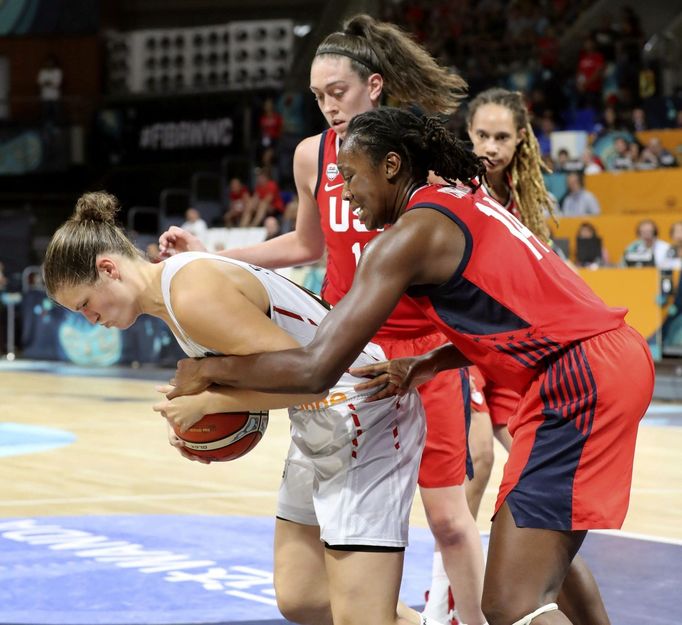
500,130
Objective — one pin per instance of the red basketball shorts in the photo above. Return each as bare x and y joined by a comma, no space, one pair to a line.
445,460
486,396
570,465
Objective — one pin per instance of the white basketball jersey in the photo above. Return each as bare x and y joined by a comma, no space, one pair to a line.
294,309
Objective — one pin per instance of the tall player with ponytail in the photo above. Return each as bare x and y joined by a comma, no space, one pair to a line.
351,71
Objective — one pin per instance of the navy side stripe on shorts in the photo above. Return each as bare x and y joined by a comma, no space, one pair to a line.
543,496
466,397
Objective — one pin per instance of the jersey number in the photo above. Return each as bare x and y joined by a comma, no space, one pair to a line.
357,251
492,209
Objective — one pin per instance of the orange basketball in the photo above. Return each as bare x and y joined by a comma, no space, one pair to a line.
225,435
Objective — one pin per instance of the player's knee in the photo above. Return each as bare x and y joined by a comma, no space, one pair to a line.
301,608
450,529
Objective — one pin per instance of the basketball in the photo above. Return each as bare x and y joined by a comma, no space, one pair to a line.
225,436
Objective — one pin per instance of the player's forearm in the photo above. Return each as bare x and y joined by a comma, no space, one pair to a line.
226,399
286,250
288,371
443,358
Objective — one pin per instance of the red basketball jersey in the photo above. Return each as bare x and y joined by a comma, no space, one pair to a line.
513,304
345,237
511,202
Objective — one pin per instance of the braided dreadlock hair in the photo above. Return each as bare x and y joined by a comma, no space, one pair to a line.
423,143
527,185
411,75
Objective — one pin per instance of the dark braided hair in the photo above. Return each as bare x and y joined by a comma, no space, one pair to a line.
423,143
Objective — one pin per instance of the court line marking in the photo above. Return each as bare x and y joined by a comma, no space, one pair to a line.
638,536
6,504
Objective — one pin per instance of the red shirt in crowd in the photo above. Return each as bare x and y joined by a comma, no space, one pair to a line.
270,188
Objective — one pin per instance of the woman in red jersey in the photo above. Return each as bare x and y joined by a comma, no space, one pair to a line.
500,131
510,306
350,73
499,128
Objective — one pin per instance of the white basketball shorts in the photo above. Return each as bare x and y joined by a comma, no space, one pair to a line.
352,469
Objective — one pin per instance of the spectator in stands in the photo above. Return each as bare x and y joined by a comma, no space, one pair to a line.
564,163
590,75
49,81
578,200
609,123
195,224
620,158
641,159
592,164
674,259
589,249
656,151
266,201
270,124
638,120
239,199
648,250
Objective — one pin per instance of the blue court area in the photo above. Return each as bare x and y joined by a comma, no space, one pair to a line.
17,439
134,570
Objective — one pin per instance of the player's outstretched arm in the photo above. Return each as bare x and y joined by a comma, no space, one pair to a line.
408,253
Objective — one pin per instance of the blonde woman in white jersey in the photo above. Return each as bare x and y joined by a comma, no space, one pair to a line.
364,481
